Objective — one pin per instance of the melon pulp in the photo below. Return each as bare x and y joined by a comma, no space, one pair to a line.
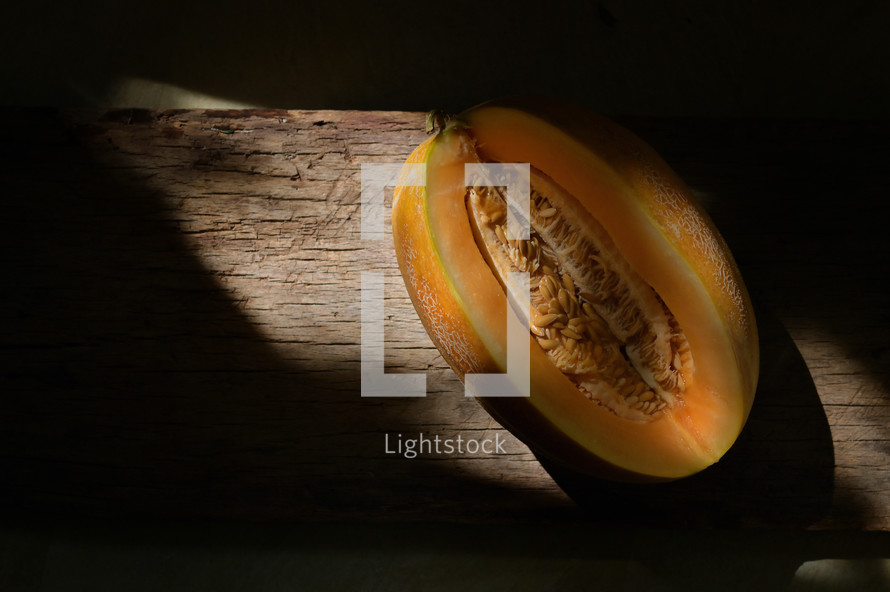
644,353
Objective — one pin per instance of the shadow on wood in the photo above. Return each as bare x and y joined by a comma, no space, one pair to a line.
134,384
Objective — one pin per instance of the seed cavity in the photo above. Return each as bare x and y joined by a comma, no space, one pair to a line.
597,320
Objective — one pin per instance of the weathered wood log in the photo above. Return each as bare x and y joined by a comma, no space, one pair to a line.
181,328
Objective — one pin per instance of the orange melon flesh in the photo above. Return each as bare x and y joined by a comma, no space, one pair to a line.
464,307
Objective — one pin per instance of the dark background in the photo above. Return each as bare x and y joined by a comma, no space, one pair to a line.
644,57
639,59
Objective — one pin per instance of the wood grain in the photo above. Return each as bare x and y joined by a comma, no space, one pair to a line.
181,328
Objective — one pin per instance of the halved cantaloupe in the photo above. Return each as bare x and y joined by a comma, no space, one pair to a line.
643,344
